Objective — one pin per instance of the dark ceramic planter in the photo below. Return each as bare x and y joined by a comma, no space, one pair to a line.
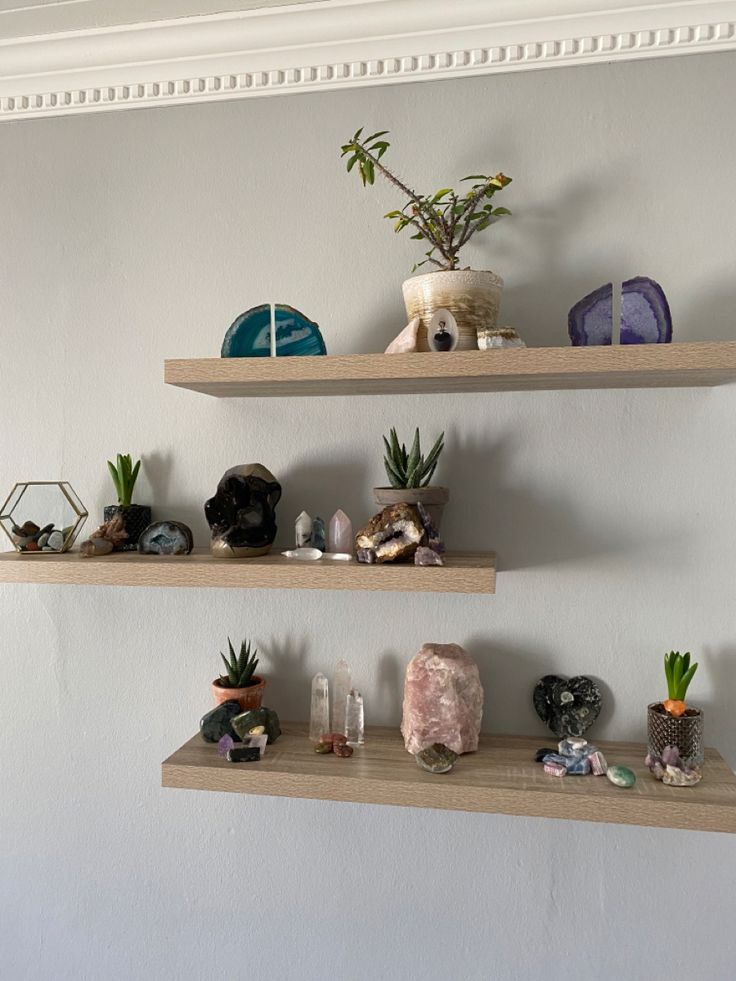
137,518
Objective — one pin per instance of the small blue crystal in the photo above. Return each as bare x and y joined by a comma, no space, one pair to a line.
319,537
578,766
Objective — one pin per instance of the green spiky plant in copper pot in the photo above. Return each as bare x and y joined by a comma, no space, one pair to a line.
240,683
136,517
410,473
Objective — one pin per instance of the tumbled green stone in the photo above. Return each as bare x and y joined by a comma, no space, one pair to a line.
622,776
218,722
436,758
265,717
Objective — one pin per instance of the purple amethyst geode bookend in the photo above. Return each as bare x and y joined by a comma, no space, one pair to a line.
645,315
590,321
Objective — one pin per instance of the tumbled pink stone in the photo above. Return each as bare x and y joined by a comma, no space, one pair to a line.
443,700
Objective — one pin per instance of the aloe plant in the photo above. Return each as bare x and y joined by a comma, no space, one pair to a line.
679,673
240,667
410,469
124,476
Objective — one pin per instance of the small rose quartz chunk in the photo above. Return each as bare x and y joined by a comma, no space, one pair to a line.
406,341
443,700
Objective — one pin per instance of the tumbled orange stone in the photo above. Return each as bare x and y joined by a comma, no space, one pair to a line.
332,737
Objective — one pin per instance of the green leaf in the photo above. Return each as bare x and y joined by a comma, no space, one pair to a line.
429,476
415,453
395,448
417,235
434,453
475,177
501,211
352,162
369,139
393,479
357,135
115,480
440,194
685,681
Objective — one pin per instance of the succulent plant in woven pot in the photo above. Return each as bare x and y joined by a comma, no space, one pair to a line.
240,683
409,473
672,722
136,517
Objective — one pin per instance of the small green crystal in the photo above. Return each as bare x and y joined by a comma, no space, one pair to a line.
621,776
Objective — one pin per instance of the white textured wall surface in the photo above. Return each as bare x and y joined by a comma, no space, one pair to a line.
132,237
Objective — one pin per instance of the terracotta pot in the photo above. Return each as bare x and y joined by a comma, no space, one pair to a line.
433,498
471,296
249,697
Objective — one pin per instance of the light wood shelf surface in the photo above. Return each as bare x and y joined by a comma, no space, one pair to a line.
463,572
526,369
501,778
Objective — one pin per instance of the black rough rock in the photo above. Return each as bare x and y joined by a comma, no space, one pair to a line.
218,723
242,514
568,706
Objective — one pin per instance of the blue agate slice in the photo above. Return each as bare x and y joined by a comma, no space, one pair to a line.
250,334
645,315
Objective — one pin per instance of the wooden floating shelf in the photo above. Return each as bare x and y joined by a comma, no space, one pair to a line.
501,778
463,572
525,369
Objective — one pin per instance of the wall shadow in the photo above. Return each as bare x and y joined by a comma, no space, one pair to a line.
525,525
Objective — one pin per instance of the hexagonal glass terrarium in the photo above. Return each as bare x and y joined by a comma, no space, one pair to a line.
42,517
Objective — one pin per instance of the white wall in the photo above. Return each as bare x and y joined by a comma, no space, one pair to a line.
135,236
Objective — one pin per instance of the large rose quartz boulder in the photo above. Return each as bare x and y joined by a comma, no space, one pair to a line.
443,700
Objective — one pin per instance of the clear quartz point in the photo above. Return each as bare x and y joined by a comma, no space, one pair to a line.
354,723
319,715
341,682
303,530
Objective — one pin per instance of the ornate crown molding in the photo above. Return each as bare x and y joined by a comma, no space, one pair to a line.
327,44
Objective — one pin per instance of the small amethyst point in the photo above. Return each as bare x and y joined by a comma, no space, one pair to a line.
427,556
225,745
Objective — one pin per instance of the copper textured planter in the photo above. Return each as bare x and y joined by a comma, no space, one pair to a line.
685,732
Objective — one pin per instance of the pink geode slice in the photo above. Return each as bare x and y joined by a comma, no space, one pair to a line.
443,700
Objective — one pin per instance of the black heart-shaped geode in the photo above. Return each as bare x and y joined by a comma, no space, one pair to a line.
569,706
